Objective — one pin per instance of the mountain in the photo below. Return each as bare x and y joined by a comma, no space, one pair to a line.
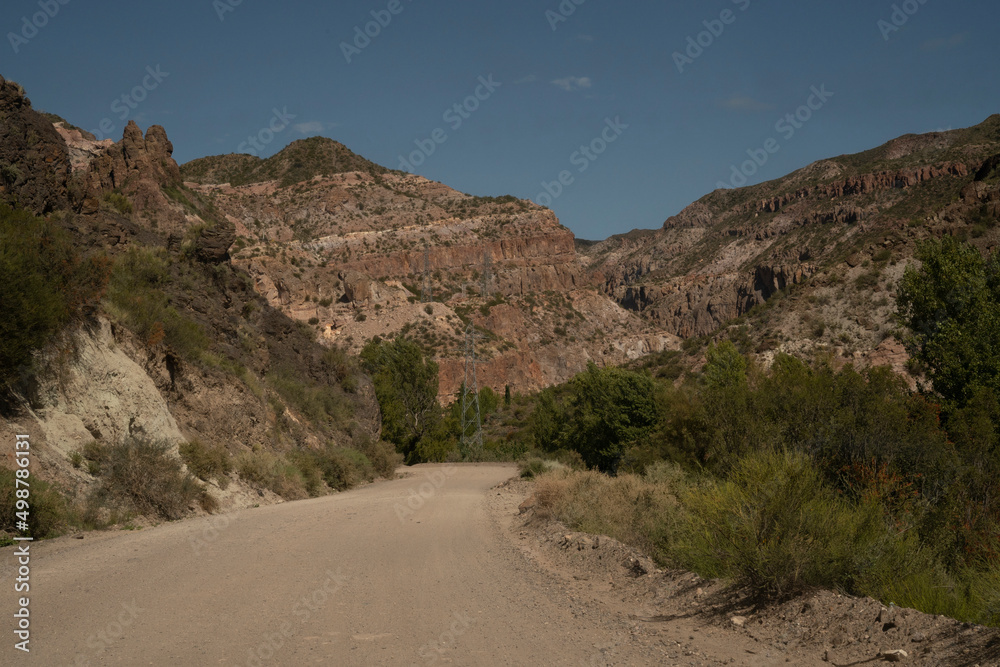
338,242
177,348
835,236
298,162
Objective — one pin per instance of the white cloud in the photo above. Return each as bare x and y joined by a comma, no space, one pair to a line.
571,83
309,127
531,78
744,103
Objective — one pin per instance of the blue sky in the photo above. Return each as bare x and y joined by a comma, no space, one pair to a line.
225,69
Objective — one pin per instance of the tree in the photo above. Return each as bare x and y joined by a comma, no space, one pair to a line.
406,386
725,367
612,408
951,305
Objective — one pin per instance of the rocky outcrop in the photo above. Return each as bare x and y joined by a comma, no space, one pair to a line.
357,287
83,146
864,184
34,160
135,166
212,245
101,394
698,305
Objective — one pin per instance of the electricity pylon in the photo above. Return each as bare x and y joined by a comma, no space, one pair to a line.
472,431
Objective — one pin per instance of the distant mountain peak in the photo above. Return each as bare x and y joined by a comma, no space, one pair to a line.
299,161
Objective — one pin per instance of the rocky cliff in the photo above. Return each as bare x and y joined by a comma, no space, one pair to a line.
182,349
351,247
837,232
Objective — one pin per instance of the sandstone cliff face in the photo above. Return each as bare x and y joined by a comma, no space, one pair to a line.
347,252
101,394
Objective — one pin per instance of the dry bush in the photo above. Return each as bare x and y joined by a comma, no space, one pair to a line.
207,461
265,470
141,475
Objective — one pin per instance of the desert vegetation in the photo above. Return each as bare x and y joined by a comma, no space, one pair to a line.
805,474
47,285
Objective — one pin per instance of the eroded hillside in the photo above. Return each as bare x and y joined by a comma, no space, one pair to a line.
841,230
354,250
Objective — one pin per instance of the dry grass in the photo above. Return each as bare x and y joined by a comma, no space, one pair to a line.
639,511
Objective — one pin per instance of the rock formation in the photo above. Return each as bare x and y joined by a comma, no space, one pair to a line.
34,160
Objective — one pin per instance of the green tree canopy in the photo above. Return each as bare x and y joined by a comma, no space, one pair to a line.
951,305
600,414
406,385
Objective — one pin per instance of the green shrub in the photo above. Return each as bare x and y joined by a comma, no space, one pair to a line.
48,513
96,454
46,285
532,468
207,462
321,404
344,468
257,468
141,475
777,528
268,471
382,455
136,297
119,202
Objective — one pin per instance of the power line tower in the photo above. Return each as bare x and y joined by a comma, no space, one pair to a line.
426,293
472,429
487,272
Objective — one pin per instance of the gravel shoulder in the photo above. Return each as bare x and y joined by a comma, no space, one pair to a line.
693,621
437,567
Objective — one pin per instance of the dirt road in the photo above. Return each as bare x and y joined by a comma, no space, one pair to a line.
412,571
436,568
